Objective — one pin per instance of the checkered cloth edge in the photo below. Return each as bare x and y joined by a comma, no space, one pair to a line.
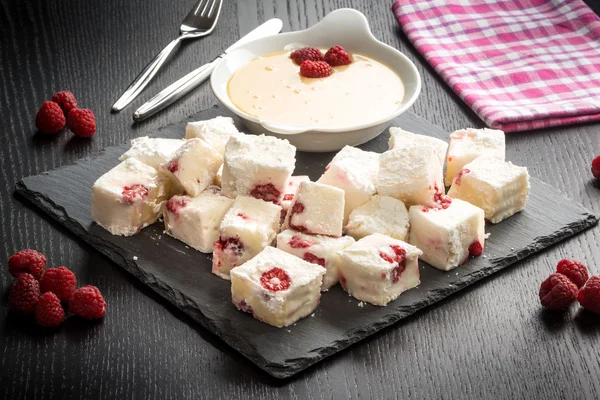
518,64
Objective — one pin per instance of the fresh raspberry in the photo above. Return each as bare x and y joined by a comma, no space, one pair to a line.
61,281
82,122
275,280
337,56
24,294
313,259
66,100
49,313
306,53
589,295
596,167
574,270
134,193
557,292
87,302
27,261
475,249
50,118
175,204
266,192
315,69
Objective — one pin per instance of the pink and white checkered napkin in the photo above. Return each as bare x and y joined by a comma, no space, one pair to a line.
519,64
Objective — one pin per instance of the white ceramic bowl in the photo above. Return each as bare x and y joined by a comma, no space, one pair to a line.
348,28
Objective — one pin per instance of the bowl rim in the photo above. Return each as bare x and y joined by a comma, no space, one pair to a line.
285,129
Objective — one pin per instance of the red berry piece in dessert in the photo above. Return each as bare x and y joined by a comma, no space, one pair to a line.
61,281
589,295
276,287
82,122
557,292
49,312
377,268
315,69
336,56
306,53
574,270
66,100
216,132
596,167
27,261
24,294
290,191
266,192
380,214
400,138
87,302
134,193
152,151
50,118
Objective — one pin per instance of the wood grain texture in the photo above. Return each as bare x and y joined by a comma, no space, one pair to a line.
490,341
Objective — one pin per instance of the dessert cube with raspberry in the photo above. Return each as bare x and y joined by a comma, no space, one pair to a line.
87,302
355,172
49,312
24,294
82,122
401,138
557,292
216,132
317,209
257,166
50,118
27,261
276,287
447,236
380,214
574,270
66,100
152,151
589,295
126,199
315,69
196,220
498,187
316,249
306,53
248,227
468,144
377,268
289,192
193,167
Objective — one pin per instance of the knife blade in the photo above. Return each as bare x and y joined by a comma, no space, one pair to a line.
189,82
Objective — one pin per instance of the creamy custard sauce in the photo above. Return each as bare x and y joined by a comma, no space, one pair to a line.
272,89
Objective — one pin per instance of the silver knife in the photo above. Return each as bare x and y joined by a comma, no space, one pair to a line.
183,86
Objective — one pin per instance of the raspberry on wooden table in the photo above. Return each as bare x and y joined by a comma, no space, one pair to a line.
27,261
596,167
557,292
24,294
50,118
61,281
315,69
574,270
589,295
49,313
87,302
82,122
66,100
306,53
336,56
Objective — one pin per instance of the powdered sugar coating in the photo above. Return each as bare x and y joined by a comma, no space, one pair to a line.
152,151
380,214
401,138
216,132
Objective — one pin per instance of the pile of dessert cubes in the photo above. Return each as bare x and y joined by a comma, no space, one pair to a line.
283,239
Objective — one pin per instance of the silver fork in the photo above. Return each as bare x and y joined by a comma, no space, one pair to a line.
200,22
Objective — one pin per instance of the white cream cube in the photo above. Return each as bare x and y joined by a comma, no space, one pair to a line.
276,287
248,227
412,174
216,132
127,198
196,220
355,172
316,249
152,151
447,236
498,187
290,191
400,138
316,209
377,269
381,214
257,166
193,167
468,144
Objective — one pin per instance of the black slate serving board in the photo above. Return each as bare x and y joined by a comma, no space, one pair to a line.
182,275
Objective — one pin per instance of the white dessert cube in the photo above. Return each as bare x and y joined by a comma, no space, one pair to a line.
498,187
193,167
248,227
377,269
468,144
276,287
257,166
316,249
290,191
152,151
355,172
449,235
400,138
381,214
216,132
412,174
317,209
196,220
127,198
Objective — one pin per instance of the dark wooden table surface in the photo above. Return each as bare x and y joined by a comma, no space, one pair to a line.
492,340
